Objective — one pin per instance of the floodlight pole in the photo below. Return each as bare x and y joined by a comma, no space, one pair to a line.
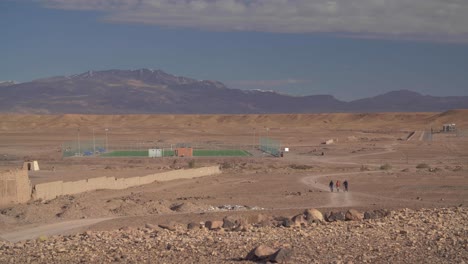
253,142
94,144
107,146
79,143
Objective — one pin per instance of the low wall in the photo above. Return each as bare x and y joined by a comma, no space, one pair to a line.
50,190
15,187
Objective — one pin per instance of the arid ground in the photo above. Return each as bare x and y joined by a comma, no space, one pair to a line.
384,167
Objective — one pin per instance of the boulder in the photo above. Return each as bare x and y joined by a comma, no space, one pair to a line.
260,253
255,219
242,227
213,225
265,223
313,215
193,225
232,222
171,226
151,226
354,215
287,223
376,214
282,255
334,216
299,220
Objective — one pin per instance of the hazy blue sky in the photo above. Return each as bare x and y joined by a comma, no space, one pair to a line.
347,48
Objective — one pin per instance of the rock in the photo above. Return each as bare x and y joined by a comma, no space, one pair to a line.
260,253
354,215
232,222
265,223
213,225
376,214
193,225
150,226
171,226
299,220
229,222
255,219
242,227
313,215
282,255
61,250
335,216
287,222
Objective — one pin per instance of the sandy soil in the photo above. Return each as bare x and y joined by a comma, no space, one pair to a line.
260,183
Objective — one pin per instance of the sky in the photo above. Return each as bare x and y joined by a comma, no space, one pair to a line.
347,48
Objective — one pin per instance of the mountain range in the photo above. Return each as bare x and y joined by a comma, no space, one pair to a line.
146,91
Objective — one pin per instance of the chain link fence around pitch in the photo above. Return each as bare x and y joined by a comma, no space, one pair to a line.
84,148
270,146
101,148
462,133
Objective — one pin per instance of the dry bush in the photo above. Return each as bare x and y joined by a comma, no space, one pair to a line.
364,168
226,165
300,167
386,166
191,164
422,166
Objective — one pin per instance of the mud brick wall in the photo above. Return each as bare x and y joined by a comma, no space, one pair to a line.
51,190
15,187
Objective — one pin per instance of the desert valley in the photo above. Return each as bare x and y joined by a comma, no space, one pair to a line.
406,201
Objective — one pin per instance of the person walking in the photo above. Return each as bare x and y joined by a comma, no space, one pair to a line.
331,185
337,186
345,184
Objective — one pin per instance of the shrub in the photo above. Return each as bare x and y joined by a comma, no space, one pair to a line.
300,167
422,166
226,165
191,164
386,166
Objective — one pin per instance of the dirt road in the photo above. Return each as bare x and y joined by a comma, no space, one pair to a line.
49,230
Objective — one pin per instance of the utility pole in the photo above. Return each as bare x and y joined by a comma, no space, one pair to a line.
94,144
79,143
253,142
107,145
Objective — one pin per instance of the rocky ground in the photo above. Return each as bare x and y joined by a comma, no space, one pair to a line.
437,235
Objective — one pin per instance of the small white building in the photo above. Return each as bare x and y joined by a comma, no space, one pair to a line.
31,165
449,128
328,142
155,153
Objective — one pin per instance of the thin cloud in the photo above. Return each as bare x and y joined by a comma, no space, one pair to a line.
418,19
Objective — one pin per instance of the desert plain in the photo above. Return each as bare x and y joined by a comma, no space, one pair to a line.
389,160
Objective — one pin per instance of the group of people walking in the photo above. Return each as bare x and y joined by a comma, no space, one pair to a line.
337,185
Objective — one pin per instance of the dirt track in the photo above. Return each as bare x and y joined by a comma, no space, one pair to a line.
60,228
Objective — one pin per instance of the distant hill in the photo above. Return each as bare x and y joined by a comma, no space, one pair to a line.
146,91
408,101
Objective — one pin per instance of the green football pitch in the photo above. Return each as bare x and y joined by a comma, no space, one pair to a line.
169,153
223,152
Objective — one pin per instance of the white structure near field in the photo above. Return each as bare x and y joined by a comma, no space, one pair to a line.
31,165
155,153
449,128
